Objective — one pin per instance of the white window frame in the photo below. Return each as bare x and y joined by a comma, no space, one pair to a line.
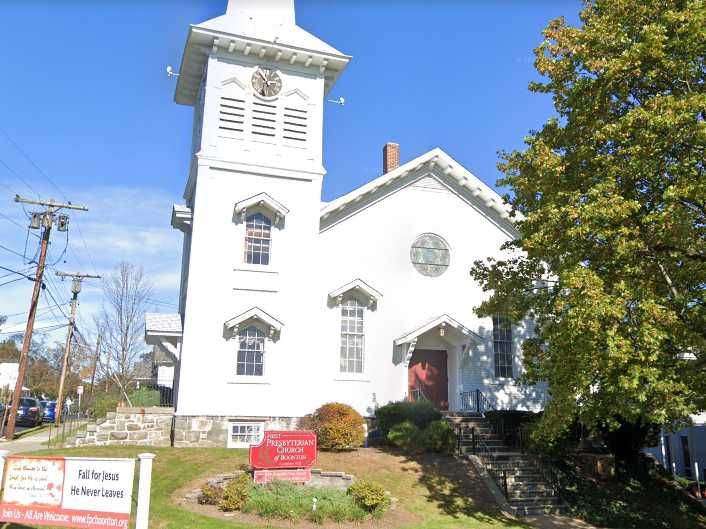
345,332
505,339
249,240
244,425
237,353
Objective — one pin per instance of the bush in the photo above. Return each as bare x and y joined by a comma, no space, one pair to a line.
369,496
236,493
419,413
211,495
337,426
287,501
406,436
439,437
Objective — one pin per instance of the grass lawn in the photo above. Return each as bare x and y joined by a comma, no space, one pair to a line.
433,492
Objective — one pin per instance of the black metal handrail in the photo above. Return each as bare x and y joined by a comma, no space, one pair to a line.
476,401
550,474
488,459
418,394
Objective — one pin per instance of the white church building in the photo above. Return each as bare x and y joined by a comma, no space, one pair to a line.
288,302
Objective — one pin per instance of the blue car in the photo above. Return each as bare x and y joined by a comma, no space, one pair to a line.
49,407
29,412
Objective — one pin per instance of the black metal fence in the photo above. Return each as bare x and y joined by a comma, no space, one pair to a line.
152,392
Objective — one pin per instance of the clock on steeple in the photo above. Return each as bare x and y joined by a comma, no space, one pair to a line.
266,82
257,82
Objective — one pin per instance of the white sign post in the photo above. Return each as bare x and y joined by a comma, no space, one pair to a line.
143,491
79,392
696,473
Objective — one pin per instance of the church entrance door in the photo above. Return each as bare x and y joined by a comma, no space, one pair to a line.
428,377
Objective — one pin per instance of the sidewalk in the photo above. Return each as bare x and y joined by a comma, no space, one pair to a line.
28,443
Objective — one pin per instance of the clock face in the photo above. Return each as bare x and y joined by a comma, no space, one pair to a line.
266,82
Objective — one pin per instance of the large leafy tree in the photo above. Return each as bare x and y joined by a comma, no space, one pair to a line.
610,198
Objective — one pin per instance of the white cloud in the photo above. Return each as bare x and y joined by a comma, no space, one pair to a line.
122,224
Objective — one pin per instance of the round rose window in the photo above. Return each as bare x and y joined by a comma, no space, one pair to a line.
430,255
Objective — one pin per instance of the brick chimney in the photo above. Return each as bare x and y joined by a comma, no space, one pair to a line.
390,157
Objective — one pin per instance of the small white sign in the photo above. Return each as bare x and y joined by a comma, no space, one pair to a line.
79,390
98,484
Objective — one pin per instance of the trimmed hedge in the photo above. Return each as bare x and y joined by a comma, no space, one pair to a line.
337,426
419,413
438,436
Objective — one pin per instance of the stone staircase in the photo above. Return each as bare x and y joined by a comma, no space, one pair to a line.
518,477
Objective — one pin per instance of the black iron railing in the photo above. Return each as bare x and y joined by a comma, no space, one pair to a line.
417,394
476,401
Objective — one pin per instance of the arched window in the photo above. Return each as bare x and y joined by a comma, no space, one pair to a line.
251,352
352,336
502,346
258,239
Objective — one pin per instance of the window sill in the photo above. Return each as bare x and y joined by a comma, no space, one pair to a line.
351,378
263,269
250,380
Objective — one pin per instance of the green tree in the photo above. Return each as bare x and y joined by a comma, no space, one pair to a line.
610,198
9,351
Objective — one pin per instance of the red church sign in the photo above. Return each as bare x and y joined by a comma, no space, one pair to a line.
284,449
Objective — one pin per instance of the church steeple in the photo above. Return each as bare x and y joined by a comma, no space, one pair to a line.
265,29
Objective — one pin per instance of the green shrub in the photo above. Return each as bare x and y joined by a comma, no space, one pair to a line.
103,404
286,501
211,494
439,437
236,493
337,426
406,436
369,496
419,413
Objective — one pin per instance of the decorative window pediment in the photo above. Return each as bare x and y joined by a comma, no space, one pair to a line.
359,289
270,325
264,201
181,217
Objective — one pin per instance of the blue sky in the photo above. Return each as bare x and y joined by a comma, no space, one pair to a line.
87,113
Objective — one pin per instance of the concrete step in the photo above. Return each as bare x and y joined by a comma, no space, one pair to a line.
539,510
534,501
537,486
531,495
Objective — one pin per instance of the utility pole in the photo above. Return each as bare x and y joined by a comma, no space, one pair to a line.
77,278
95,366
43,220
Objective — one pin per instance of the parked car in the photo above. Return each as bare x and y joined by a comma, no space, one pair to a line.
29,412
49,407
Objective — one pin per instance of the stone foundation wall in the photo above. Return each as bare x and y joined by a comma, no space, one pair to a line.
212,431
130,426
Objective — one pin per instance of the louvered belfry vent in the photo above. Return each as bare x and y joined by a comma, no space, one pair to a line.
295,124
232,114
264,119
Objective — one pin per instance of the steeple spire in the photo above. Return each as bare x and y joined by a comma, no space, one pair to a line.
274,12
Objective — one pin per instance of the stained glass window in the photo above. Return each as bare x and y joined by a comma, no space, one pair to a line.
430,255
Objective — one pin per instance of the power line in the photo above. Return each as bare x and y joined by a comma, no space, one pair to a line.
61,192
18,176
40,331
18,254
15,272
42,310
11,281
